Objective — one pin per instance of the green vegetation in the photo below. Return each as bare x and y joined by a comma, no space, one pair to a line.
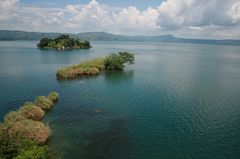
37,152
63,42
92,67
96,66
44,103
53,96
117,61
13,117
31,111
23,135
30,130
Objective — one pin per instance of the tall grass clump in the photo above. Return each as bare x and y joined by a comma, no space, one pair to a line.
30,111
53,96
30,130
92,67
23,135
13,117
44,103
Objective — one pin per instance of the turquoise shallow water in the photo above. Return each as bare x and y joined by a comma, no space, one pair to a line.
177,101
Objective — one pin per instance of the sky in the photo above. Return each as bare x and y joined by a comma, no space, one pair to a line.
211,19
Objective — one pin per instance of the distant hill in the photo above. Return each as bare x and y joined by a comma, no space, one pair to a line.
103,36
22,35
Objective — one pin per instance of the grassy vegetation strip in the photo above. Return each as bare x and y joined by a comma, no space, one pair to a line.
114,61
92,67
23,134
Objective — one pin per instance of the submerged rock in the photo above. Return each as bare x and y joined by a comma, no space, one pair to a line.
100,110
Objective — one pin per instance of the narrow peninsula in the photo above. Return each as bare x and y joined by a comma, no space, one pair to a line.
114,61
63,42
23,134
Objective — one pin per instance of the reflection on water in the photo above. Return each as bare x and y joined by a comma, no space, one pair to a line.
118,76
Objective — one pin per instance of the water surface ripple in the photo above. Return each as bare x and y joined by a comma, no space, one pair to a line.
178,101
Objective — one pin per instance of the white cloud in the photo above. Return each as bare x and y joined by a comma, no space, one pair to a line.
8,8
187,18
89,17
132,19
72,9
234,12
178,13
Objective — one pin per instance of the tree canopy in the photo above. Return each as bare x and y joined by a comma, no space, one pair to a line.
63,42
116,61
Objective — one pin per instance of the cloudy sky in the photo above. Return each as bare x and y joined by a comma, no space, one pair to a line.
183,18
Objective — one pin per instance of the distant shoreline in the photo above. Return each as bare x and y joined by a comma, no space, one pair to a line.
11,35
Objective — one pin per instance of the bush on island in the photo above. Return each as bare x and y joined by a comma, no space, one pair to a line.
8,146
22,135
63,42
30,130
117,61
22,148
31,111
13,117
37,152
44,103
53,96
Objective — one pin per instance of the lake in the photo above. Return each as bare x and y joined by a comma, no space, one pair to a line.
178,101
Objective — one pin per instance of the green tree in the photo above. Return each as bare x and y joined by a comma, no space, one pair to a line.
113,62
61,37
127,57
62,42
37,152
117,61
43,42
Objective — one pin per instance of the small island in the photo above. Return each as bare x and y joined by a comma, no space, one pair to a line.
63,42
113,62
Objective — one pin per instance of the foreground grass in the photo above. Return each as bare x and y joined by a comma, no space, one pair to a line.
23,134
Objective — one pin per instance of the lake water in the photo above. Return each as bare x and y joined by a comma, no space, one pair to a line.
178,101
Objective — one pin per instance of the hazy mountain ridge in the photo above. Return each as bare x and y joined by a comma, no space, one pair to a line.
103,36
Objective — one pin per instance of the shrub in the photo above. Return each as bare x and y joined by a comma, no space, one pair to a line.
37,152
113,62
31,111
23,149
127,57
117,61
53,96
43,42
92,67
21,135
13,117
43,102
11,146
8,146
30,130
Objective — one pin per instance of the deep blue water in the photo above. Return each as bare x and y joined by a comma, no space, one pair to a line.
178,101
